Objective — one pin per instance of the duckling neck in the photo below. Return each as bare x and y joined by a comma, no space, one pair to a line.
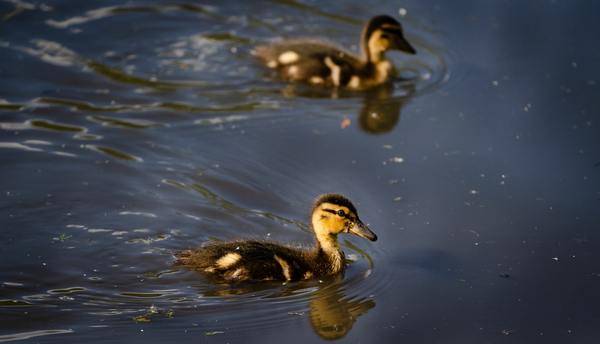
328,255
376,65
371,53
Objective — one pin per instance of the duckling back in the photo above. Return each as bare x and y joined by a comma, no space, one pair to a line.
247,260
311,61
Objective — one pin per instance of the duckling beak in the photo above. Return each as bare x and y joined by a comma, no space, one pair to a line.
400,43
361,230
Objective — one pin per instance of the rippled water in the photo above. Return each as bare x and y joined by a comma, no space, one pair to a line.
130,131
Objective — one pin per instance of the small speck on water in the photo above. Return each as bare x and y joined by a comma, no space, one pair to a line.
402,11
507,332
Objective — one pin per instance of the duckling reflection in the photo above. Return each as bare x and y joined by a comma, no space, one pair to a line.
332,314
382,105
381,110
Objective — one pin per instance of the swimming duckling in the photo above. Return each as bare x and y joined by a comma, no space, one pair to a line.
319,63
332,214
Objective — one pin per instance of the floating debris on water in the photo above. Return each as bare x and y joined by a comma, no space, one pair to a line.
62,237
346,122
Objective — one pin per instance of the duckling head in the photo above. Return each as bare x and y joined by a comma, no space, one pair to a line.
333,214
383,33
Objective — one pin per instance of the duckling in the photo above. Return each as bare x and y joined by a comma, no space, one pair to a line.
318,63
237,261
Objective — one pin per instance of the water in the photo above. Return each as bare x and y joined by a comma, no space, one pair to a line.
131,131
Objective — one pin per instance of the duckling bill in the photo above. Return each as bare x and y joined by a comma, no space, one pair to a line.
332,214
318,63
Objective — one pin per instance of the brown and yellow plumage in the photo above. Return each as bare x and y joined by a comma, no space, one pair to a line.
315,62
257,260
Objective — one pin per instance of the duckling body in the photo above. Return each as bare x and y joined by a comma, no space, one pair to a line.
258,260
316,62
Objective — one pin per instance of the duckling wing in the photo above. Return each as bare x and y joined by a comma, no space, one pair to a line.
311,61
247,260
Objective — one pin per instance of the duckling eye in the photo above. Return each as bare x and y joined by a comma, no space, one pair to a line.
341,213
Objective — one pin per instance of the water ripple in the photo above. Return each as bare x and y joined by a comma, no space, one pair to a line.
108,11
32,334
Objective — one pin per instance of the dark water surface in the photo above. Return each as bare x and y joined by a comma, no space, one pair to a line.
129,131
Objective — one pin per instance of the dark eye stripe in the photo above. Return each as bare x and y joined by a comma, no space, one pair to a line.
346,216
